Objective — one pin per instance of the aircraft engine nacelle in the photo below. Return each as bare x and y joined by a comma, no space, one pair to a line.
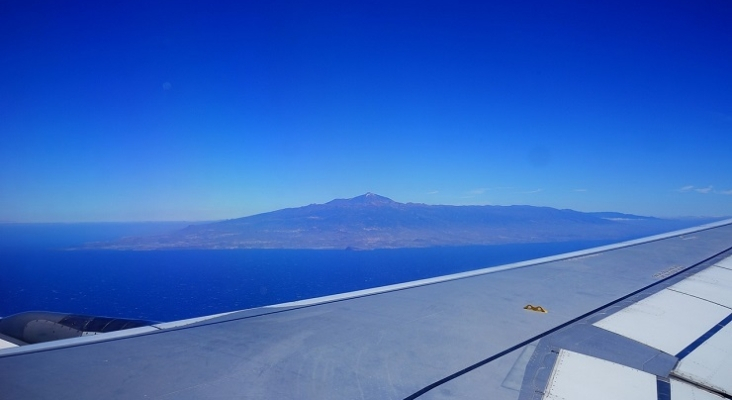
41,326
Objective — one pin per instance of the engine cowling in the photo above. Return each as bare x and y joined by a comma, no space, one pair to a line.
42,326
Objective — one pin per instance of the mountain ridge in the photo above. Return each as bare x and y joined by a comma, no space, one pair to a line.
371,221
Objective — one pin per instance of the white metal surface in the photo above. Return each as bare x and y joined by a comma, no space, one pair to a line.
5,344
668,320
713,284
726,263
684,391
580,377
711,363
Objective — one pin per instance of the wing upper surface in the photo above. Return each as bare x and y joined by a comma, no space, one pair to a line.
464,337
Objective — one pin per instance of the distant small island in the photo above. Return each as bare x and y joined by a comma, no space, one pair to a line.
371,221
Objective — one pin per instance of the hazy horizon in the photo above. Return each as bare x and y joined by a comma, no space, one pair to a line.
304,205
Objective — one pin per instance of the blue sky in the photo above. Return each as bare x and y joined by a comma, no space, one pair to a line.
127,111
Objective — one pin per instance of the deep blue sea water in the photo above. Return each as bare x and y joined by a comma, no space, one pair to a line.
37,273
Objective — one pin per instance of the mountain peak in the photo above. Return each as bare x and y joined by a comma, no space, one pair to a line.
371,198
367,199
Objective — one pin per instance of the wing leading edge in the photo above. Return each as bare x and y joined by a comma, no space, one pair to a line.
462,336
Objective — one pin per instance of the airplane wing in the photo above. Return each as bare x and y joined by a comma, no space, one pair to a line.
645,319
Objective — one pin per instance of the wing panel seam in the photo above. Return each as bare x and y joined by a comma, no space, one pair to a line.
703,338
555,329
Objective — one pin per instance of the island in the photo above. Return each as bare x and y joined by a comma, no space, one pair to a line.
371,221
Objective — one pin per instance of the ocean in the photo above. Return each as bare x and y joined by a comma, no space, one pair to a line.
37,272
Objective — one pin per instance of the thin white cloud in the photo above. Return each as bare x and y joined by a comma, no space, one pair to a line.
703,190
579,190
433,192
478,191
533,191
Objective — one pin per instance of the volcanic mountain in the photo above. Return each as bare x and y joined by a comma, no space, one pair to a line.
371,221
